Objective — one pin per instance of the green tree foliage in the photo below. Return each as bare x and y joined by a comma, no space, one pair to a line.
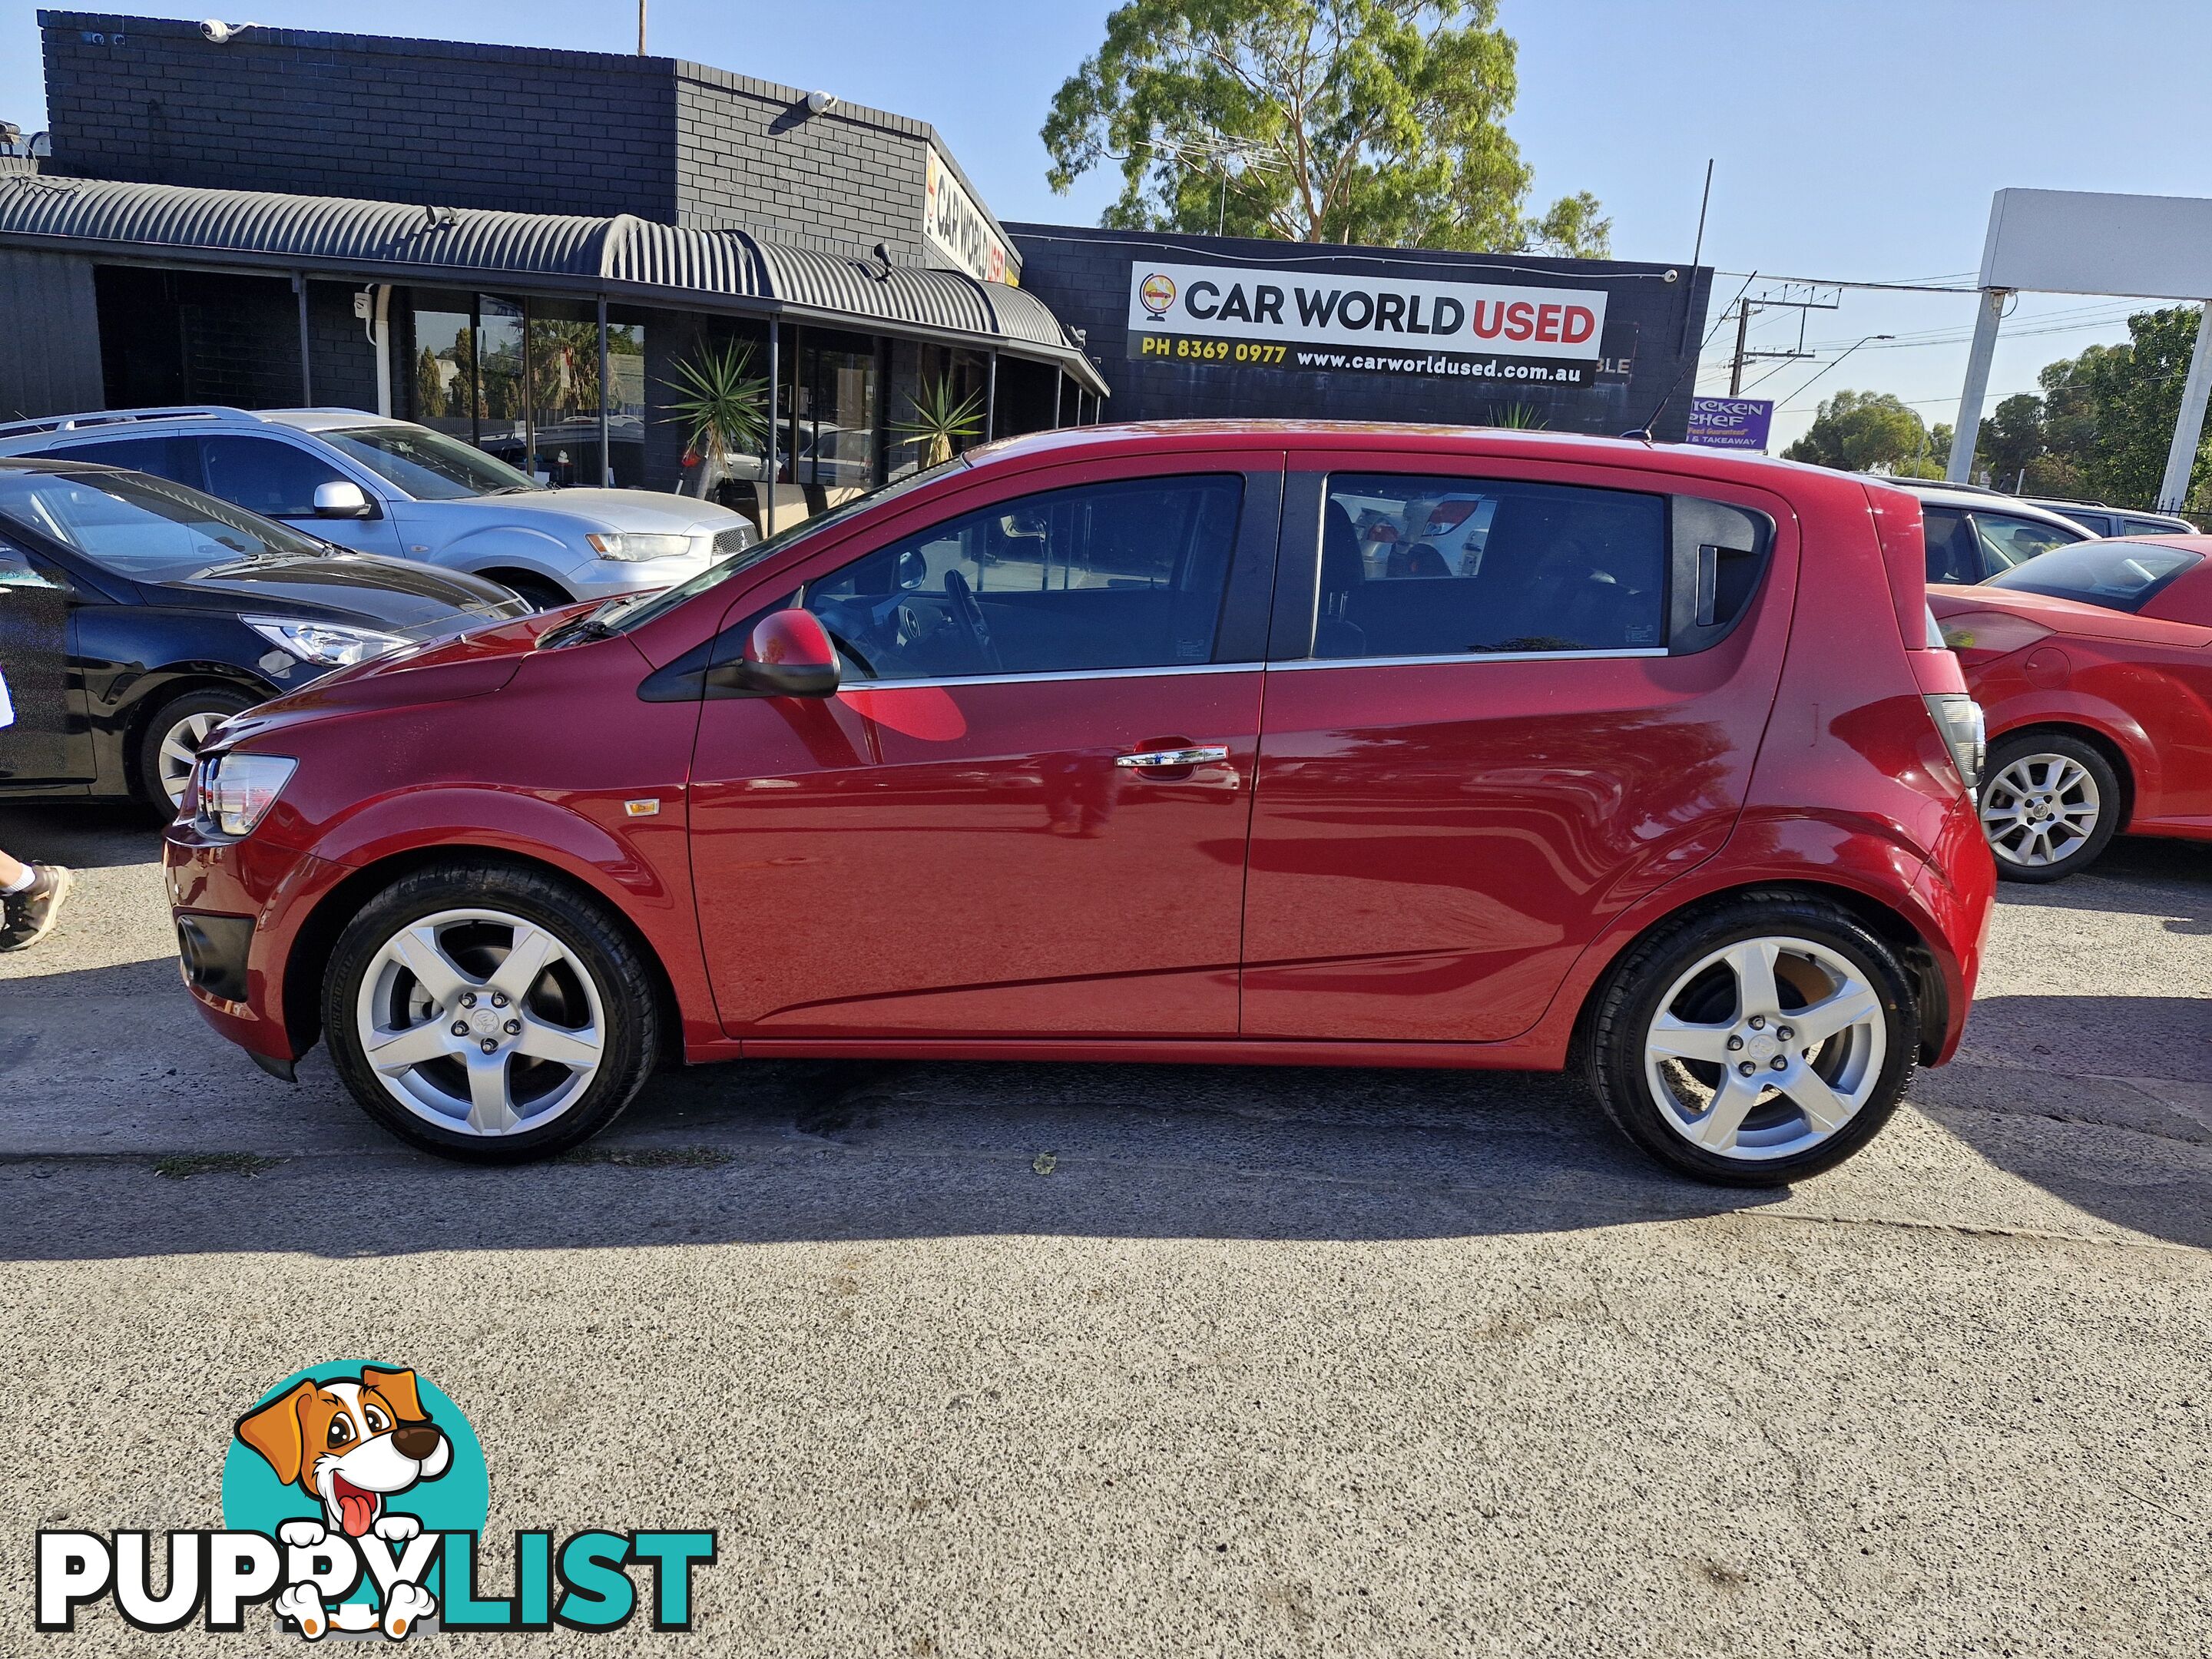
1863,431
429,385
1374,121
2106,418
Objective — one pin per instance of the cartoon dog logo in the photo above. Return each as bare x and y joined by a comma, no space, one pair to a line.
351,1444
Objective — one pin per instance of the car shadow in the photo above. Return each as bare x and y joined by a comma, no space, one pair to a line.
2105,1101
85,836
788,1151
2170,879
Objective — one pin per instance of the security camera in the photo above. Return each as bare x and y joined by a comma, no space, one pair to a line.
219,32
819,102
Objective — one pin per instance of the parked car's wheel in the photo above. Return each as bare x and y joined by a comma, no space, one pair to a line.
489,1014
170,741
543,592
1756,1043
2050,806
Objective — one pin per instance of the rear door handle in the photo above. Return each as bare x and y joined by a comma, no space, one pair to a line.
1173,756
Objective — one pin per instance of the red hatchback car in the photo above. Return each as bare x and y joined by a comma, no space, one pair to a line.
1108,744
2094,664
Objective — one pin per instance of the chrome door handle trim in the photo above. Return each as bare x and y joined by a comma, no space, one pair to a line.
1173,756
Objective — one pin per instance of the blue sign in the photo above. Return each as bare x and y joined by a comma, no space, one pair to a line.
1730,423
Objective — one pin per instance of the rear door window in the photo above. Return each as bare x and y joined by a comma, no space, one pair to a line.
1427,567
177,460
1954,553
266,475
1128,575
2007,541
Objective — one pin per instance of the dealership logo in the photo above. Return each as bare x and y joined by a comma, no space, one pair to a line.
1157,293
353,1497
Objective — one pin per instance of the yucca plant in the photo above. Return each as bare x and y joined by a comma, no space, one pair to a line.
1521,417
722,406
940,418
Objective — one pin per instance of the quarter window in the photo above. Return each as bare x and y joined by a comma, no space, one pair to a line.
266,476
1113,575
1421,567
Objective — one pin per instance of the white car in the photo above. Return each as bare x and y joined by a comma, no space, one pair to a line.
391,486
1973,533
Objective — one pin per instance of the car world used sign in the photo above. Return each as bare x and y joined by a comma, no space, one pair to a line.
1235,317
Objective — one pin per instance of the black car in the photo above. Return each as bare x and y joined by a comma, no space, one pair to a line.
135,615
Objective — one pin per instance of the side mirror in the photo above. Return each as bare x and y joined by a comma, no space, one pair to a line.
912,570
789,655
342,499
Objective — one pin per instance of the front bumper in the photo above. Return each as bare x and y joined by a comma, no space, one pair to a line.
239,906
607,579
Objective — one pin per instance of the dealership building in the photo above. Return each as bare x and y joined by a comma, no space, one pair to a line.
539,251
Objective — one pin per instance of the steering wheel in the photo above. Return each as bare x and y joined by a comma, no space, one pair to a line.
970,615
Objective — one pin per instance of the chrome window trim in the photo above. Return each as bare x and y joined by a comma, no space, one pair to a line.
1468,657
1052,675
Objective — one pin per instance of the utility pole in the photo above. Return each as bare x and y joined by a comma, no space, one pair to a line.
1743,311
641,27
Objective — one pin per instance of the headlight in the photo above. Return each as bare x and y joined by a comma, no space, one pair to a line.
235,791
1958,717
629,546
328,644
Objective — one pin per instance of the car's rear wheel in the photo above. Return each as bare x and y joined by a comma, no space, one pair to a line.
169,743
489,1014
2051,804
1757,1043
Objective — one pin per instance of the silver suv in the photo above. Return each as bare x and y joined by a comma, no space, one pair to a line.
391,486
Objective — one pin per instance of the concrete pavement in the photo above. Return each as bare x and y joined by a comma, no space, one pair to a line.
1269,1362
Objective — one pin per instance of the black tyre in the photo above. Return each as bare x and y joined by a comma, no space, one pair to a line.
169,741
1755,1043
489,1014
2051,804
543,592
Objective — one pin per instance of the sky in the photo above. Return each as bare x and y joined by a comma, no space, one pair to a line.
1857,142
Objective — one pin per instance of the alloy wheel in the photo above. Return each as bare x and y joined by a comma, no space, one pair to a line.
2040,810
1765,1048
481,1023
180,751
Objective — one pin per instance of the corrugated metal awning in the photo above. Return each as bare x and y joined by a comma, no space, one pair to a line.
622,256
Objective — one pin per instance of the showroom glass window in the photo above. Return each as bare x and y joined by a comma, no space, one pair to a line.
1128,574
1443,567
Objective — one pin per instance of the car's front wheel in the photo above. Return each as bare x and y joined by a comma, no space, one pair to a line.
169,743
1756,1043
2050,806
488,1013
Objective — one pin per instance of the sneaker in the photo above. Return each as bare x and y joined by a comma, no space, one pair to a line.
28,916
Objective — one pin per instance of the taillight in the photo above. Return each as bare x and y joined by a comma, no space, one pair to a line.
1958,717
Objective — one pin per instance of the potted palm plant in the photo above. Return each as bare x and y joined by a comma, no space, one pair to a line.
723,408
940,419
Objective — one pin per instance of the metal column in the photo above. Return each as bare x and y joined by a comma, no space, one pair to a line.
991,400
774,381
306,372
1059,397
2189,426
1960,469
606,453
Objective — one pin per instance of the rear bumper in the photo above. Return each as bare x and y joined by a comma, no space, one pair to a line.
238,906
1957,891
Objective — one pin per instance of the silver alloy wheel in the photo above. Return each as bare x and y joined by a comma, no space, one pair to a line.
2040,810
180,749
1765,1048
481,1023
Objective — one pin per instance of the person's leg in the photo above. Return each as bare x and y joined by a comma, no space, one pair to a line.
31,897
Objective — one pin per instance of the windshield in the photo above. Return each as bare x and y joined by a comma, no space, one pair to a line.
143,527
429,465
622,615
2117,575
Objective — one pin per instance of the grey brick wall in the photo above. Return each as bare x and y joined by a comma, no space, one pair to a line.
523,129
1083,275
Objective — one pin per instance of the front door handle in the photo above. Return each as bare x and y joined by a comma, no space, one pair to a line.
1149,757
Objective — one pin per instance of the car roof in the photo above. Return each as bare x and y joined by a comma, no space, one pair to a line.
105,422
1973,498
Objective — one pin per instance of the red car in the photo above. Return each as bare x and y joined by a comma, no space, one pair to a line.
1108,744
2094,663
